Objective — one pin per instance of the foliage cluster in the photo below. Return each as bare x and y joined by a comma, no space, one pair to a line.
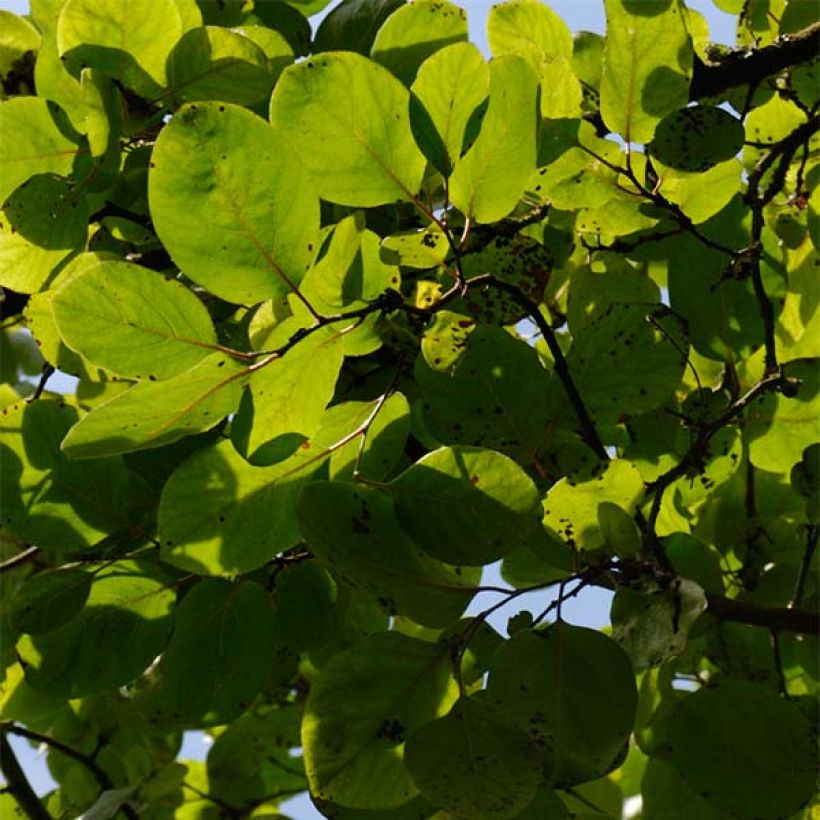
357,314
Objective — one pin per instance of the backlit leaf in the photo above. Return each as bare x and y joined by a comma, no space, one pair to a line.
647,66
249,219
347,120
31,142
132,322
545,681
212,668
360,711
151,414
465,505
120,630
415,31
474,761
355,532
490,179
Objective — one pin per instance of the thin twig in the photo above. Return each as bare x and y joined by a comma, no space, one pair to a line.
99,775
812,531
588,431
21,558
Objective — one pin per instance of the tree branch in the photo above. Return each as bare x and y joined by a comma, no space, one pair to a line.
744,67
99,775
18,786
774,618
588,431
21,558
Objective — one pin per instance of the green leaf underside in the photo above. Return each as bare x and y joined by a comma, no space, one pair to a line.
289,395
151,414
415,31
357,145
571,505
221,516
362,708
231,205
213,666
122,628
31,143
43,223
129,40
490,179
466,505
451,84
46,498
545,681
131,321
474,762
354,530
647,66
744,747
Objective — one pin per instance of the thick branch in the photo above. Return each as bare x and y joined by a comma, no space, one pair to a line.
743,67
774,618
17,783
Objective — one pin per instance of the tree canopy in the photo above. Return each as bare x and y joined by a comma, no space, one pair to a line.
356,313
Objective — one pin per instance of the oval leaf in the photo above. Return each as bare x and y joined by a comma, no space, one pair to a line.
230,204
131,321
347,119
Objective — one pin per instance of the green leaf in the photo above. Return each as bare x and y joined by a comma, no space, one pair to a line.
571,505
131,321
287,21
359,712
31,142
499,396
289,395
779,428
129,41
652,623
415,31
529,29
250,759
700,195
518,261
425,248
465,505
219,515
352,25
103,114
490,178
213,63
572,690
451,84
151,414
618,529
445,340
43,222
667,797
474,762
47,499
18,36
728,324
230,204
592,290
121,629
629,360
697,138
745,747
49,599
385,440
211,670
347,120
647,66
354,531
